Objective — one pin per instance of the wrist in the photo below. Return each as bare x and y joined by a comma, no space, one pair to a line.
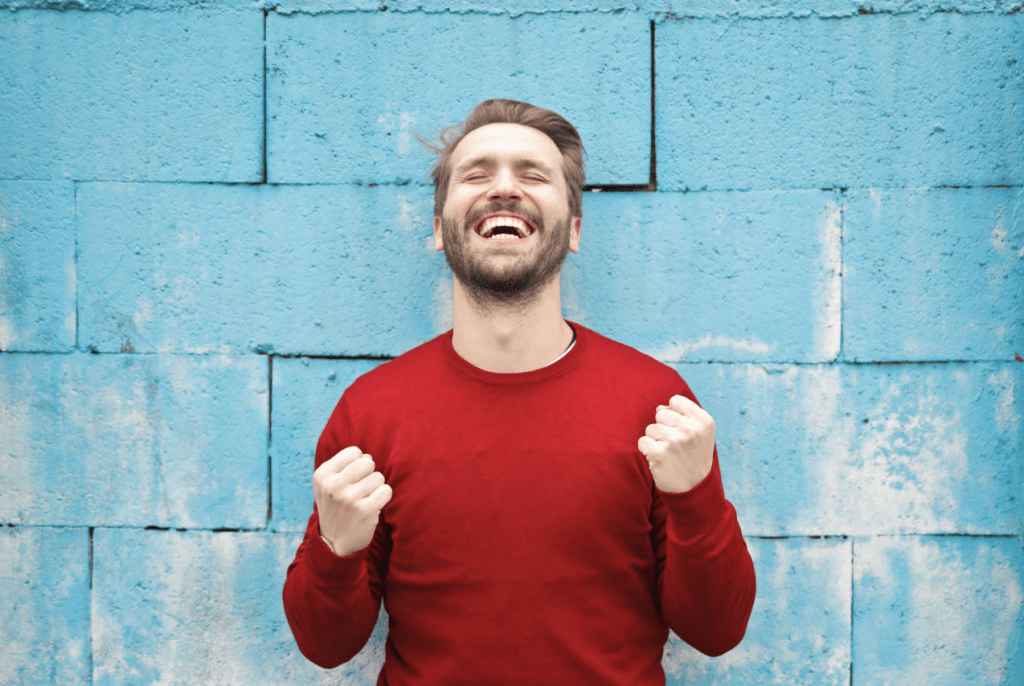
326,542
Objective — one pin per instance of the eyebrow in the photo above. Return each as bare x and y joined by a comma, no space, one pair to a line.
491,160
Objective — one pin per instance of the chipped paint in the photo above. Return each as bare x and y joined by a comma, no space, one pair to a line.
443,307
829,293
677,352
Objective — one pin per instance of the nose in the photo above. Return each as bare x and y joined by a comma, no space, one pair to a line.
505,186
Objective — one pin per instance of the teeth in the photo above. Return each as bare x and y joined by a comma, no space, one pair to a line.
487,228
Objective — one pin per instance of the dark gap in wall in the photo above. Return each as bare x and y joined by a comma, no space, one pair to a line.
302,356
263,171
611,188
91,529
91,650
896,363
853,542
75,186
842,269
270,433
652,182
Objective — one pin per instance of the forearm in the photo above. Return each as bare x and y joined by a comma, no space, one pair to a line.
329,601
707,585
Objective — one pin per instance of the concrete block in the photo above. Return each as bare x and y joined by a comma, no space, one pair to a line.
205,268
875,101
37,266
934,274
305,392
938,611
827,450
44,606
347,91
166,96
711,276
187,608
799,630
133,440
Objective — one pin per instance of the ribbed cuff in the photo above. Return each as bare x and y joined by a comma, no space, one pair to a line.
701,507
325,562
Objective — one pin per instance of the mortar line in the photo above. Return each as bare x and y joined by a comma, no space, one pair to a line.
263,173
840,355
652,179
853,542
91,679
270,434
75,261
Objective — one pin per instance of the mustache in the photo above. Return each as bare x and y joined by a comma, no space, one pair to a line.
511,207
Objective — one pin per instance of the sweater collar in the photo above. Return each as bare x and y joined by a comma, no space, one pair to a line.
568,361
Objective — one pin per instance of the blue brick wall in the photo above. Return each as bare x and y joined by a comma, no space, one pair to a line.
214,217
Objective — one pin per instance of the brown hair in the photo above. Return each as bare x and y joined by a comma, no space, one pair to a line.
553,125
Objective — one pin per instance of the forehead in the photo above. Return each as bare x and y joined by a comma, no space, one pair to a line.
507,142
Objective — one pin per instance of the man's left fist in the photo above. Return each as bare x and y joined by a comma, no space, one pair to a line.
680,445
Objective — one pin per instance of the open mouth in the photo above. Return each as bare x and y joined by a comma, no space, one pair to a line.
503,228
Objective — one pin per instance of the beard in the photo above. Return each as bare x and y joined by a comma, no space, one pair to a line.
505,276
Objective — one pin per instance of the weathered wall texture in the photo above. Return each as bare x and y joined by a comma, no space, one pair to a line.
213,216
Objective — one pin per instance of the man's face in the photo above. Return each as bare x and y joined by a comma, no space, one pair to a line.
506,227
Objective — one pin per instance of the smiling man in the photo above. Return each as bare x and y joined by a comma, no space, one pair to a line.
533,503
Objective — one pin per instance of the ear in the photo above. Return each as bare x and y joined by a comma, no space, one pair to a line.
574,234
438,243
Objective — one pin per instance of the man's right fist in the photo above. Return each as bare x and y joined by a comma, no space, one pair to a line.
349,496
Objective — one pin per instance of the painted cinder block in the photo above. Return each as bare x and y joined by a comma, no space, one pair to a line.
133,440
933,274
346,92
850,449
711,276
873,101
174,95
207,268
799,629
942,611
191,607
37,266
44,606
305,392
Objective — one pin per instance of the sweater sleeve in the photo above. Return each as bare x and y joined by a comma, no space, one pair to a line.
332,602
706,577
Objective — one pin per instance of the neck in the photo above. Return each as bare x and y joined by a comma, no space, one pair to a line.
510,338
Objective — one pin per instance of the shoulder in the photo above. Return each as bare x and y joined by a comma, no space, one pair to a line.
628,366
402,374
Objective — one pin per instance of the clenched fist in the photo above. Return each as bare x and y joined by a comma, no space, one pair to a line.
349,496
680,445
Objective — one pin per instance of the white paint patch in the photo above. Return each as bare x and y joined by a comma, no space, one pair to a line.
829,291
186,238
18,451
6,330
409,218
1007,418
788,633
572,308
962,612
999,234
878,197
6,325
903,472
401,125
678,352
443,304
826,434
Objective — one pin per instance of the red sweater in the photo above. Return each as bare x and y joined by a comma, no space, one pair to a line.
525,542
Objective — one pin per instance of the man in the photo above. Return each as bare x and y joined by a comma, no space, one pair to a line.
534,503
